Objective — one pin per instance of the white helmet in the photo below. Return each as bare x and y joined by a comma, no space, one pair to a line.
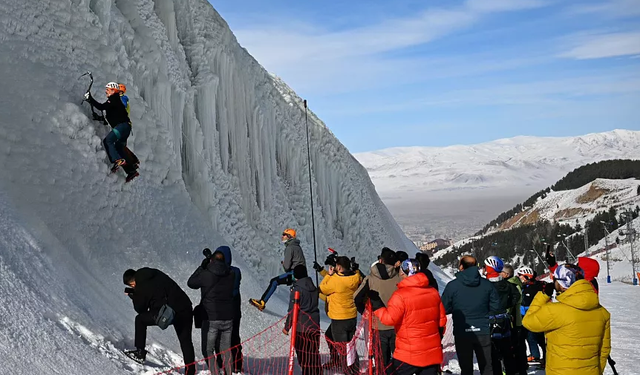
525,271
113,85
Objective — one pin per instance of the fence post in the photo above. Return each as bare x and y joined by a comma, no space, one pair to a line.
294,325
370,322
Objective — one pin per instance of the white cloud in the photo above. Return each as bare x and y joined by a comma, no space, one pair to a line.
318,59
605,45
611,8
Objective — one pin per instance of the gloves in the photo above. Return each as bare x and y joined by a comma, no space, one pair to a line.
550,257
317,266
87,95
548,289
205,263
374,298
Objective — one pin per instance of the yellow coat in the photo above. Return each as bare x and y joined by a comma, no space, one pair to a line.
339,290
577,330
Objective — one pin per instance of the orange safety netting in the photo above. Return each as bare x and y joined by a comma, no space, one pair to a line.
270,352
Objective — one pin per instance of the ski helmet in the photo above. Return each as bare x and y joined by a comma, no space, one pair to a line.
122,88
525,271
291,233
113,85
410,267
494,262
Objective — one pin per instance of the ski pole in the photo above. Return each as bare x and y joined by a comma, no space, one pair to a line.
612,363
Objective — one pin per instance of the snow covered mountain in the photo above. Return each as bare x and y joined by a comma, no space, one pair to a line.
222,146
521,162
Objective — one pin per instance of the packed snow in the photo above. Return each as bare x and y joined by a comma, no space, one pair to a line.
520,163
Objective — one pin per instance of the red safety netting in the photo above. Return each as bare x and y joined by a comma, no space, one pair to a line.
270,352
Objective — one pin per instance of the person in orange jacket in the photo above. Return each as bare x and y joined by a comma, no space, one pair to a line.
418,316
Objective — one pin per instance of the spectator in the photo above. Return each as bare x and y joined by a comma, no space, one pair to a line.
151,289
531,287
307,343
517,341
215,281
383,279
577,328
236,346
339,287
501,351
471,299
424,261
417,313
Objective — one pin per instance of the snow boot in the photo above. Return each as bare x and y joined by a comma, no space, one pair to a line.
131,176
257,303
137,355
117,164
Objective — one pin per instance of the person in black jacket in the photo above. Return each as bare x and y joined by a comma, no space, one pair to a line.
117,116
215,281
152,289
532,286
471,299
501,320
236,346
307,343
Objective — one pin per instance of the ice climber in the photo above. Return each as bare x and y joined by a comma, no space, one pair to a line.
117,117
293,256
152,293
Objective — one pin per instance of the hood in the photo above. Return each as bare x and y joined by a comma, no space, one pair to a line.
293,241
306,284
516,280
580,296
591,267
218,268
145,274
418,280
383,271
469,277
226,251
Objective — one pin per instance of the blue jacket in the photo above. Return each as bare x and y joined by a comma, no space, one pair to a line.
471,299
226,250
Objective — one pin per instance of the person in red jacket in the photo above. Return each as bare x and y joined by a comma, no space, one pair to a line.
418,316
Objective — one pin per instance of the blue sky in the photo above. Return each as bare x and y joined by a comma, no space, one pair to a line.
387,73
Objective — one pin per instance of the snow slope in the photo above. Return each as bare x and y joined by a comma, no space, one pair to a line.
530,163
223,162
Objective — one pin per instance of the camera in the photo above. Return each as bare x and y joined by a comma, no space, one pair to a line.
129,290
355,267
207,253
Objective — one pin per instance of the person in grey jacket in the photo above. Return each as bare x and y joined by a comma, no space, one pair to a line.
293,257
307,343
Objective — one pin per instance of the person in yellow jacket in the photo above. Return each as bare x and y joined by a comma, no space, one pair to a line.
339,287
577,328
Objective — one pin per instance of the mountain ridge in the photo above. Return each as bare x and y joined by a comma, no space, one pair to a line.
522,161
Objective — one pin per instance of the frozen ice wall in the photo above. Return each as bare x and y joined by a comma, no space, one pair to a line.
222,146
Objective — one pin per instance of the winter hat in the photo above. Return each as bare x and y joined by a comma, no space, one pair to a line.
591,267
567,274
402,256
410,267
300,272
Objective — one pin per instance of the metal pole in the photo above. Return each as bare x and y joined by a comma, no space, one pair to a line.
631,233
606,246
294,330
313,221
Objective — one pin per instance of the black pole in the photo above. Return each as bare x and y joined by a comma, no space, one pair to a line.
313,221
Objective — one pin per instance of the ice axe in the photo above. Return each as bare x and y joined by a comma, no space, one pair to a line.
96,116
